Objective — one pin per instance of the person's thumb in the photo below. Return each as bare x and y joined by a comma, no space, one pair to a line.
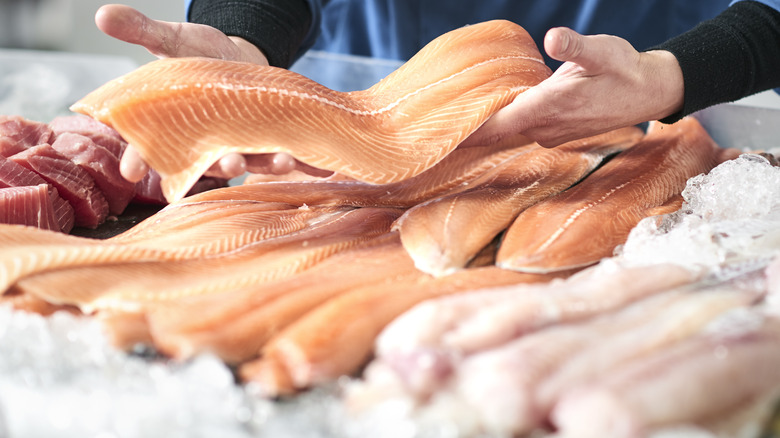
566,45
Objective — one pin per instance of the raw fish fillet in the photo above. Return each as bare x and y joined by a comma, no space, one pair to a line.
28,205
584,224
179,232
524,378
15,175
73,183
129,286
443,234
235,324
704,377
458,171
183,114
337,337
421,342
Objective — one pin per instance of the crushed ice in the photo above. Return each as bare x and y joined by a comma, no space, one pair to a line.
730,221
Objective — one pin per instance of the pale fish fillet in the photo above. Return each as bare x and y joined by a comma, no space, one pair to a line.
129,286
177,233
524,378
236,324
420,341
183,114
683,320
698,379
461,169
337,337
443,234
507,375
584,224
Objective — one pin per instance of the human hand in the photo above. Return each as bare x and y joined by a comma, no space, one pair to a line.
604,84
170,40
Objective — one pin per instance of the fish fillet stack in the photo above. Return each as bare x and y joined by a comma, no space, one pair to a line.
293,281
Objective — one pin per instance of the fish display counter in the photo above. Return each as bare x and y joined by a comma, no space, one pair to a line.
672,334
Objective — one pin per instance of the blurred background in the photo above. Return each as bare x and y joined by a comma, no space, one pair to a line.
68,25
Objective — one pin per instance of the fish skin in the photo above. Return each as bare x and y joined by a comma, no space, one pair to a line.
315,350
129,286
183,114
443,234
683,383
584,224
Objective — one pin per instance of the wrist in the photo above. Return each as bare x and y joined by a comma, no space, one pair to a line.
665,83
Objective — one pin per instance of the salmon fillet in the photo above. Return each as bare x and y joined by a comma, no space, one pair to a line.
584,224
183,114
443,234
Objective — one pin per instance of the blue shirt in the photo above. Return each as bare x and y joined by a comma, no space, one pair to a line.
397,29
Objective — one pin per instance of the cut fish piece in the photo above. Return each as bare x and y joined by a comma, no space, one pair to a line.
584,224
183,114
15,175
18,134
28,205
73,183
443,234
90,128
101,165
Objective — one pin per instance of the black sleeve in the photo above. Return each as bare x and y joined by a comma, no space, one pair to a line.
276,27
734,55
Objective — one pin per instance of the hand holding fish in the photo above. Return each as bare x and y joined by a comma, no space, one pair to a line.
172,40
603,84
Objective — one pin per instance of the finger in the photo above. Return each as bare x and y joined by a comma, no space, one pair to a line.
229,166
161,38
132,167
593,53
123,23
282,163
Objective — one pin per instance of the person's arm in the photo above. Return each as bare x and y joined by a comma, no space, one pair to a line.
734,55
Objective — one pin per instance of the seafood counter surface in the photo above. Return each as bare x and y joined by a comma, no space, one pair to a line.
675,334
